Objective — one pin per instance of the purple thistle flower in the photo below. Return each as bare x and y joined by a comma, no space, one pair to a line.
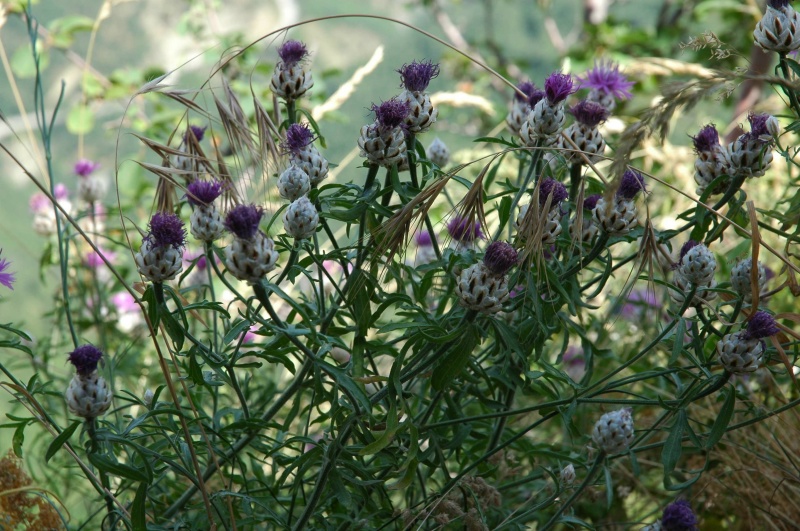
203,192
760,325
84,167
777,4
416,76
197,131
292,52
632,183
166,230
463,231
758,128
391,113
551,186
678,516
6,278
591,202
61,192
606,77
557,87
500,257
298,136
424,239
124,302
535,97
688,246
707,139
85,359
528,89
589,113
243,220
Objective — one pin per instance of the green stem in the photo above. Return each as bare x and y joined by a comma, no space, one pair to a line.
789,92
586,482
91,429
290,112
598,248
575,180
535,156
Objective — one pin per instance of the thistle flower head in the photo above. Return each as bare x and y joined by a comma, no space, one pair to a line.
688,246
463,231
761,325
243,220
6,278
416,76
500,257
61,192
85,359
606,77
759,132
591,202
166,230
197,131
777,4
203,192
292,52
589,113
678,516
423,238
535,97
707,139
84,167
527,88
298,136
632,183
557,87
391,113
551,186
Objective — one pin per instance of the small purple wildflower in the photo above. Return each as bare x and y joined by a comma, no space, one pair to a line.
591,202
166,230
292,52
527,88
84,167
424,239
760,325
589,113
85,359
551,186
686,247
94,259
463,231
707,139
391,113
678,516
197,131
777,4
203,192
416,76
6,278
298,136
557,87
243,220
500,257
632,183
606,77
516,290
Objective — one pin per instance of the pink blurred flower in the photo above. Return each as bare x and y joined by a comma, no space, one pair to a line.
94,259
85,166
124,302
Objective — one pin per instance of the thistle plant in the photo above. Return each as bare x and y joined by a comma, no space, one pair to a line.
464,343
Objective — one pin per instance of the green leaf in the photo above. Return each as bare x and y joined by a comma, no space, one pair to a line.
386,438
173,328
22,61
677,346
63,30
406,479
59,441
115,468
18,439
723,419
673,446
80,119
456,359
138,515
